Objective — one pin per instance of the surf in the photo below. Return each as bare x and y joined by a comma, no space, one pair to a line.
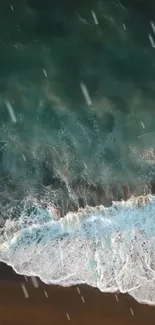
110,248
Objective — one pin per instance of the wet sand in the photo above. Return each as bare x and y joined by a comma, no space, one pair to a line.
80,305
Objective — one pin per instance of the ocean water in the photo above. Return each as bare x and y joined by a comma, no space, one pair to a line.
77,130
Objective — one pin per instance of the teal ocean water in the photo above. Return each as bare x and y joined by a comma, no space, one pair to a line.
77,130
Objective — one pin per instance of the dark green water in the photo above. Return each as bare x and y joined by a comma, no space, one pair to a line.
56,142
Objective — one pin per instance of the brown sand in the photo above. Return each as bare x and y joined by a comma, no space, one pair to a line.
82,305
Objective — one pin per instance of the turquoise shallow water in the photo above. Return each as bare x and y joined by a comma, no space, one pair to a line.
53,133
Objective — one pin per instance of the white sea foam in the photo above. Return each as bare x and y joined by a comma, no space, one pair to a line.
109,248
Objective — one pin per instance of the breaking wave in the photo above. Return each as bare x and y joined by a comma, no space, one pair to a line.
111,248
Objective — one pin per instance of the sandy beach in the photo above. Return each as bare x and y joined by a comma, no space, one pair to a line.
79,305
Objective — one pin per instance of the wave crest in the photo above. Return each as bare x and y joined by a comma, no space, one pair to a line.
111,248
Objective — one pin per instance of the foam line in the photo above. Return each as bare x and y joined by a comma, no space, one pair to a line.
109,248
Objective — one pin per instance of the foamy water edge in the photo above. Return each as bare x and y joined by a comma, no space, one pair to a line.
109,248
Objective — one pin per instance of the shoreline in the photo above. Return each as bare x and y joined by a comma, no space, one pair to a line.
48,304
